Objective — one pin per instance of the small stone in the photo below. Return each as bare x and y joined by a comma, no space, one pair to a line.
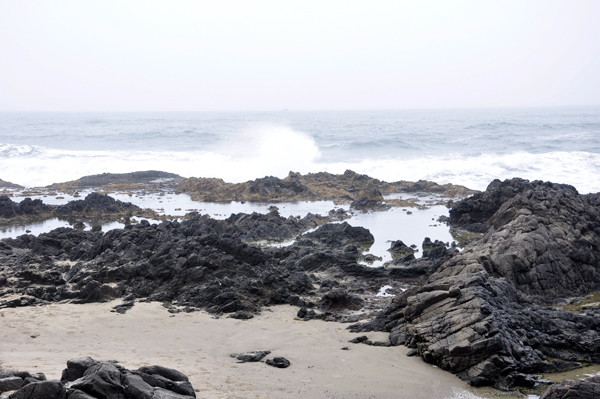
279,362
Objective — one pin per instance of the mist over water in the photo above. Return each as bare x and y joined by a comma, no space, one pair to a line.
469,147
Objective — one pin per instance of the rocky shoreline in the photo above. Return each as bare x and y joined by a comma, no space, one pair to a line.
488,313
347,187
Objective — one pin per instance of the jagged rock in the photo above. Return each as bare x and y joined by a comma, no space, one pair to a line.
349,186
95,203
433,250
76,368
102,379
29,207
340,234
41,390
480,315
574,389
399,250
373,202
474,213
107,380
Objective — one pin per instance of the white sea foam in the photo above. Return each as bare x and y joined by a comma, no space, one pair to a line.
580,169
267,149
275,152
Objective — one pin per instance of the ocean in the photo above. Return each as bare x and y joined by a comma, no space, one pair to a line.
462,146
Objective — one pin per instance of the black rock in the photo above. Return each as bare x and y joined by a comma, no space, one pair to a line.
76,368
10,383
574,389
482,313
41,390
359,340
279,362
340,234
252,356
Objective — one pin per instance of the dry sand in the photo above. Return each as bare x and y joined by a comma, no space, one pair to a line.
199,346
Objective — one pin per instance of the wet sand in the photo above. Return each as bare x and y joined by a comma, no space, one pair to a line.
199,346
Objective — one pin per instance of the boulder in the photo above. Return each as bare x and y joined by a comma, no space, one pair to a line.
41,390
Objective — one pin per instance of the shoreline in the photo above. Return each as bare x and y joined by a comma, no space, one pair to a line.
199,346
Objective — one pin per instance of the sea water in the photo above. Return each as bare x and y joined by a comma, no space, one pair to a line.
462,146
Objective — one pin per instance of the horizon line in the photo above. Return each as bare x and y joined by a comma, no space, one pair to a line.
307,110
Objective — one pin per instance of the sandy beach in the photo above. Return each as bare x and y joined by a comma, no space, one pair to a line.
43,338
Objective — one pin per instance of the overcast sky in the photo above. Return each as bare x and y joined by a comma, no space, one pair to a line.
303,55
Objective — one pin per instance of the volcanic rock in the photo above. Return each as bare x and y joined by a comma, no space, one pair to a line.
481,314
473,213
340,234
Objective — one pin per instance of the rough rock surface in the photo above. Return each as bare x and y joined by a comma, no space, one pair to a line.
574,389
483,313
86,378
29,207
349,186
406,267
339,235
94,208
112,181
198,263
473,213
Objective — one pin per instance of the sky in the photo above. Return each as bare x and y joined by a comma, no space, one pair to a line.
300,55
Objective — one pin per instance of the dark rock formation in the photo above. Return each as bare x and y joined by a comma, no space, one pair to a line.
433,250
588,388
473,213
29,207
93,209
340,234
198,263
110,180
398,249
96,203
349,186
481,314
86,378
41,390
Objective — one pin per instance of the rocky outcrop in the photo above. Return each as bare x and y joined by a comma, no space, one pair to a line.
587,388
407,268
27,207
482,314
338,235
473,213
197,263
97,204
347,187
114,181
86,378
8,185
95,208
